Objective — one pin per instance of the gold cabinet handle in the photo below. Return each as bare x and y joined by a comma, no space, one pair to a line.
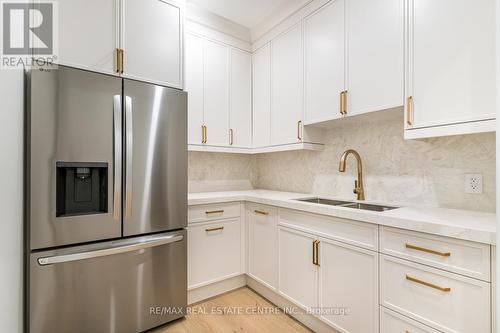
344,103
341,107
409,110
299,130
214,229
428,284
423,249
119,54
203,134
231,136
261,212
316,252
214,212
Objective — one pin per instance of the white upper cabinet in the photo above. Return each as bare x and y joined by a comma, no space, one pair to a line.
287,87
216,93
375,55
324,62
261,66
87,36
150,33
451,67
219,86
194,87
240,99
152,40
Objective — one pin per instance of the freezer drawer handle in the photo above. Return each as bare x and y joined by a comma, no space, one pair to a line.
44,261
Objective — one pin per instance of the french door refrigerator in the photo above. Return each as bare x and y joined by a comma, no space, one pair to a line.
106,203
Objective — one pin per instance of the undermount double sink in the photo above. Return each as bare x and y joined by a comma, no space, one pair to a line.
348,204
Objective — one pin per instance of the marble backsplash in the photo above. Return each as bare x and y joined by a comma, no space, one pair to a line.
426,172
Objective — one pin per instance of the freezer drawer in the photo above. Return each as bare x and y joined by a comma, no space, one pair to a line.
130,285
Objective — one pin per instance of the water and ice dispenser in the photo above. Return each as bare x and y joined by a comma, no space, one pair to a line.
82,188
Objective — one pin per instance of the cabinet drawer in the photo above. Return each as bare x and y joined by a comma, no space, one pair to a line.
392,322
201,213
462,257
213,252
352,232
445,301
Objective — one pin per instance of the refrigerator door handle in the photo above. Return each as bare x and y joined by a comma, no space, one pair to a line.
129,153
128,246
117,121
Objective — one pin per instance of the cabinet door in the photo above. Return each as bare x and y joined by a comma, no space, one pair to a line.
287,86
375,53
349,282
152,40
241,99
324,62
88,34
261,66
194,87
298,275
216,95
213,252
452,56
263,244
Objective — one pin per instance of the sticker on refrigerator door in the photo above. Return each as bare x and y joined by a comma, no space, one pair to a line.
29,34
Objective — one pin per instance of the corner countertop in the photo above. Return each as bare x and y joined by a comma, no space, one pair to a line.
461,224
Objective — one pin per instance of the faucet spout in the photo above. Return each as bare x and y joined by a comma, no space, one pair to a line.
358,184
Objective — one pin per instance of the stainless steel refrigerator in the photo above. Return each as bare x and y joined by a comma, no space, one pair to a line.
106,203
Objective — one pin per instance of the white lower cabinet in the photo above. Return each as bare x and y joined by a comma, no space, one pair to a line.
348,287
446,301
213,252
298,273
263,244
393,322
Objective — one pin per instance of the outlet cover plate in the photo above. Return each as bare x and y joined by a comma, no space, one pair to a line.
474,183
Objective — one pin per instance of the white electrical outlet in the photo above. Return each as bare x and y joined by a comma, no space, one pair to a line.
473,183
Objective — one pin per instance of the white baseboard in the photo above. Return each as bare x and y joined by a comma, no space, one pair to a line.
307,320
217,288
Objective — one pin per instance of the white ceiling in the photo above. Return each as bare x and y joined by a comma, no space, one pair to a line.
248,13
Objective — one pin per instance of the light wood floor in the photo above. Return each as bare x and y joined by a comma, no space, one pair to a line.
242,300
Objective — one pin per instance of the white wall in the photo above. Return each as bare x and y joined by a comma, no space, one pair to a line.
11,200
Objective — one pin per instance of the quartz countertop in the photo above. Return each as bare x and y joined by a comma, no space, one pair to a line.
461,224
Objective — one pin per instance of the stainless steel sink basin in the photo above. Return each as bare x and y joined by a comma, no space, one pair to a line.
348,204
322,201
375,208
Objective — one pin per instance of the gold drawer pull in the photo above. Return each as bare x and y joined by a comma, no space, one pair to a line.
215,212
344,103
341,107
214,229
428,284
423,249
261,212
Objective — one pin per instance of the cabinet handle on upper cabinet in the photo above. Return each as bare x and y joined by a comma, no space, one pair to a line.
427,284
231,137
409,110
341,106
316,252
299,130
344,103
261,212
203,134
423,249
